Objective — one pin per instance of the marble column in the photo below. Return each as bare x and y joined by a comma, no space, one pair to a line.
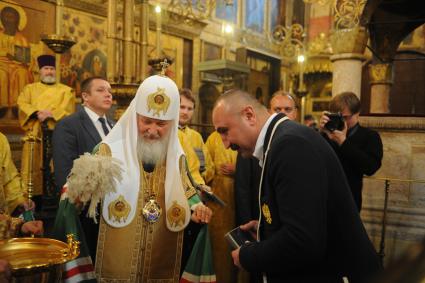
381,80
128,41
144,28
111,71
348,47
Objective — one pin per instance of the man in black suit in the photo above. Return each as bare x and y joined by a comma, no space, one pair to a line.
247,174
358,148
309,229
80,133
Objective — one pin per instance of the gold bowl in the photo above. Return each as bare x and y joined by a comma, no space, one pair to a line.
37,259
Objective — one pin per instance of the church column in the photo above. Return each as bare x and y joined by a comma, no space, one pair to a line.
111,40
128,40
196,59
59,16
348,47
381,79
144,28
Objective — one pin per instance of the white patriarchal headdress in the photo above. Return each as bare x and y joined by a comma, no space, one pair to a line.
157,97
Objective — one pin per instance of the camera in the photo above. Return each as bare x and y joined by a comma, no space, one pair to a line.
336,122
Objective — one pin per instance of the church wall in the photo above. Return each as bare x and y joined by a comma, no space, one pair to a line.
87,57
404,159
172,46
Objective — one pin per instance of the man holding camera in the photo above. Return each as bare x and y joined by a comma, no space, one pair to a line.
358,148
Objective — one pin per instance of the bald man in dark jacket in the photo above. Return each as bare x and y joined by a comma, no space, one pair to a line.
310,229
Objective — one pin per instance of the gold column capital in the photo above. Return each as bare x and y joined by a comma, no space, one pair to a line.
349,40
381,73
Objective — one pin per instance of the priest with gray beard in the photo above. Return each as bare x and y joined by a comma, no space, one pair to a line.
151,150
143,221
44,102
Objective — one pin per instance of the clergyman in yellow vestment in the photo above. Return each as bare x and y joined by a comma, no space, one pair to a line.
224,217
187,107
12,196
38,102
11,193
142,223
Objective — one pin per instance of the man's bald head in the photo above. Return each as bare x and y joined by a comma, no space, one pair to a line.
283,102
238,117
234,100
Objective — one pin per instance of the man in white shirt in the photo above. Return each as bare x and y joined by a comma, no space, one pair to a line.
80,133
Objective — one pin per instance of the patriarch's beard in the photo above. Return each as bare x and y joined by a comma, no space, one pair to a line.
152,152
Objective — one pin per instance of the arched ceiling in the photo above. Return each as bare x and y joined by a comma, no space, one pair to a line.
389,22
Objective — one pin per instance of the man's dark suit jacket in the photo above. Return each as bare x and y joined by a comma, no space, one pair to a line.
247,179
360,154
313,232
73,136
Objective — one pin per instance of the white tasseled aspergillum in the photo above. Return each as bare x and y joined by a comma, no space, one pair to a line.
91,178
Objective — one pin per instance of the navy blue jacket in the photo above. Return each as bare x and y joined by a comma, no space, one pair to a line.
310,230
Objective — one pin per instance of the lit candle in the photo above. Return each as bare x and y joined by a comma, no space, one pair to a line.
301,60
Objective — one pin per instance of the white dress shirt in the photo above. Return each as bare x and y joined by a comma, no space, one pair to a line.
259,146
95,119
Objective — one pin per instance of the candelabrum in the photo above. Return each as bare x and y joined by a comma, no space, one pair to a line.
58,43
32,140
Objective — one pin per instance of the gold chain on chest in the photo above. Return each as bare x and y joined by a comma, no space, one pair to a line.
152,210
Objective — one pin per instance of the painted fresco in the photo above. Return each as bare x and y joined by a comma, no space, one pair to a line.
87,57
21,25
227,13
254,15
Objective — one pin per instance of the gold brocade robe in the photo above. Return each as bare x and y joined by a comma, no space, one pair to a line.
141,252
9,226
224,217
11,192
57,98
195,140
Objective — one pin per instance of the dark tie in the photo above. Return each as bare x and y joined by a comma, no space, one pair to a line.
103,122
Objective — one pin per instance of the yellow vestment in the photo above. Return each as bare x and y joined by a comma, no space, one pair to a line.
224,217
192,159
11,192
57,98
142,251
195,140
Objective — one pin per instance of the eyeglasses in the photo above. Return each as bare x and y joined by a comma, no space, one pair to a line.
347,117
